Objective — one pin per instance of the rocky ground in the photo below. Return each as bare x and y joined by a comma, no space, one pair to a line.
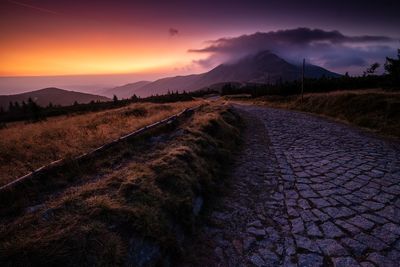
305,192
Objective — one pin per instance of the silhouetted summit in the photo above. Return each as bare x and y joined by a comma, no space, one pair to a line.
262,67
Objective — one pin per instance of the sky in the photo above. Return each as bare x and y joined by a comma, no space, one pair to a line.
105,43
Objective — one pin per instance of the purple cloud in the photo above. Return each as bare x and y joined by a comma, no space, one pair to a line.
172,32
331,49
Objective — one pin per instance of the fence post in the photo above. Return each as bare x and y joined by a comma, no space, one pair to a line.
302,80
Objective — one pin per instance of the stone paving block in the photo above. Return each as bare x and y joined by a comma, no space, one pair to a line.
391,213
361,222
341,199
291,194
303,204
354,199
371,242
308,216
292,211
290,248
393,228
310,260
256,232
269,257
273,235
308,193
338,212
331,247
313,230
386,236
383,198
359,208
331,230
297,225
247,242
345,262
257,260
381,260
322,216
306,244
373,205
394,255
367,264
357,248
320,202
333,201
348,227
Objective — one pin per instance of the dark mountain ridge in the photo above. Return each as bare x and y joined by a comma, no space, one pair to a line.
263,67
124,91
56,96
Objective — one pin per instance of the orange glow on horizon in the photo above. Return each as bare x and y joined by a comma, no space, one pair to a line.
95,56
78,64
85,39
47,51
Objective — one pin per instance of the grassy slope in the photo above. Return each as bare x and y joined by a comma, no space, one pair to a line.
373,109
135,215
26,147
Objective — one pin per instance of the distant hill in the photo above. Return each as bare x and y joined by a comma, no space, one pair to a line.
263,67
52,95
124,91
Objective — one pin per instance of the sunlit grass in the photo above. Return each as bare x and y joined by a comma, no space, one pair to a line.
25,147
94,223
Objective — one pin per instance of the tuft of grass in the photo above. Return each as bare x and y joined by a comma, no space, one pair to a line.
25,147
137,215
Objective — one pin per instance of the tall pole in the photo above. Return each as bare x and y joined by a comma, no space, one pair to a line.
302,80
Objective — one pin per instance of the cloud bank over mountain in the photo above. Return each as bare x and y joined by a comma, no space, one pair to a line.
330,49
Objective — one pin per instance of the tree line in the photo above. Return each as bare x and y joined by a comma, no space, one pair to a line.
31,111
390,80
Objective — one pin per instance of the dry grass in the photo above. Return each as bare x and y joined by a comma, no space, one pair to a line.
26,147
133,216
374,109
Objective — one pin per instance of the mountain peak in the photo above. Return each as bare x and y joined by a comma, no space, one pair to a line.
125,91
260,67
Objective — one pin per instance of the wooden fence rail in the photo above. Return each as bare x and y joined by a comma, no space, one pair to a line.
91,153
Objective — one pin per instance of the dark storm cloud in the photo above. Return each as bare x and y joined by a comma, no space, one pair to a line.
173,31
327,48
292,37
206,63
346,61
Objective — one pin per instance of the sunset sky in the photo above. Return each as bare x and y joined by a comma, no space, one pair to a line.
160,38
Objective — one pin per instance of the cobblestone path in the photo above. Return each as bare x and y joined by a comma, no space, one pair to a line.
306,192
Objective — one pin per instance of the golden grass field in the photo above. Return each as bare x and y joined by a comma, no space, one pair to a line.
107,221
25,147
